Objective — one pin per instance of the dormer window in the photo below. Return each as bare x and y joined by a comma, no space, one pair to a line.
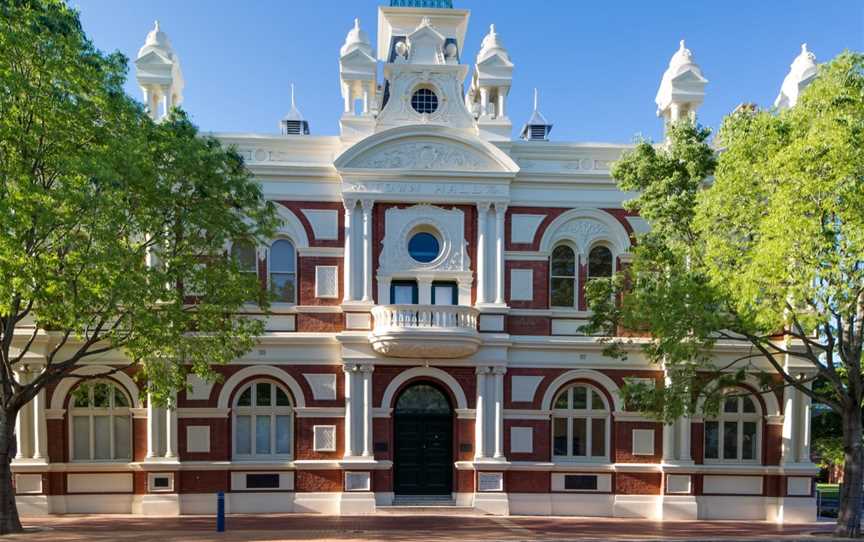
424,101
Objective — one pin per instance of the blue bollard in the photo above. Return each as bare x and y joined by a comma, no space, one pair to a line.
220,512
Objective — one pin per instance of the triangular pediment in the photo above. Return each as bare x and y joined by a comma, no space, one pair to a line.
425,149
153,58
689,76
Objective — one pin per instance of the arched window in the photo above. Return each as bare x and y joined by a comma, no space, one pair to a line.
599,262
243,252
563,277
580,424
283,271
262,419
100,423
734,435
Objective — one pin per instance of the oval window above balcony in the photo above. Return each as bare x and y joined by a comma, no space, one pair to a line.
424,247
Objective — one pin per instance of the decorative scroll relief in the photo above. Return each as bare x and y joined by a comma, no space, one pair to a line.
425,155
427,189
584,164
449,224
583,232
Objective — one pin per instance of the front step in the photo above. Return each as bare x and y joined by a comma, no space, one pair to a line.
429,505
423,500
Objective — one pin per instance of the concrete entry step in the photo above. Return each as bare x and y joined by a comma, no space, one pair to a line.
425,505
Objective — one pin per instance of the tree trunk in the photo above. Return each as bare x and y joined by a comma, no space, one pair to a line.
849,515
9,521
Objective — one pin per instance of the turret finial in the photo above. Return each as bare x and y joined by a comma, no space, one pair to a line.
492,28
156,25
681,45
804,48
293,105
536,99
356,23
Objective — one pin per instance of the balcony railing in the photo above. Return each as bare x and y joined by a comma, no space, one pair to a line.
425,331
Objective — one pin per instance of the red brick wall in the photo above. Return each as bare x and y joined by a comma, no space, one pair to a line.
205,481
529,325
642,483
624,442
773,439
465,480
220,439
303,448
327,322
306,280
139,439
527,482
540,283
318,480
542,437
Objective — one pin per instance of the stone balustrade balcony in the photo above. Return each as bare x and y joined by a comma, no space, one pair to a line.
425,331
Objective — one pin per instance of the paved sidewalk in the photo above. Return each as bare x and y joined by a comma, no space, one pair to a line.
407,528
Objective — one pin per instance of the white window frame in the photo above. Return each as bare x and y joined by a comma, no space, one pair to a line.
110,412
295,273
738,418
608,247
575,277
589,414
253,412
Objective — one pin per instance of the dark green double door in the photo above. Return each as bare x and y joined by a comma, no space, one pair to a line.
423,454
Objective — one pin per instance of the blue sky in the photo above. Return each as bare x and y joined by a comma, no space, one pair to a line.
597,64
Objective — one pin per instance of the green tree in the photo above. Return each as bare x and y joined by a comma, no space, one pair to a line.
112,228
767,253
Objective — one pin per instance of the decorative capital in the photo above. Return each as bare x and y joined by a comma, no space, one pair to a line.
501,207
482,370
349,204
351,367
367,368
367,204
483,206
499,370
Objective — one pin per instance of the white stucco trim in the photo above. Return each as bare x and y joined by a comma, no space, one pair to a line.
772,405
429,372
616,235
587,374
261,371
291,228
66,385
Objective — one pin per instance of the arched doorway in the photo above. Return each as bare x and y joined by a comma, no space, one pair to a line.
423,437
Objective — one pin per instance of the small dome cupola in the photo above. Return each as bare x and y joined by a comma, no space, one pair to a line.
356,39
491,45
293,123
537,128
156,41
801,73
157,70
682,88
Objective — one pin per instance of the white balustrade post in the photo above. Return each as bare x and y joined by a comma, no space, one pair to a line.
500,211
480,415
367,205
349,204
152,445
482,212
349,410
367,410
498,373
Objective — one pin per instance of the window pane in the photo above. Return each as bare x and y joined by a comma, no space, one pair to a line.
81,437
262,394
749,407
245,397
262,434
730,404
712,440
749,441
102,434
119,398
444,294
122,438
562,292
282,398
559,436
600,262
563,262
102,395
243,435
561,401
424,247
598,437
403,294
81,395
283,287
730,440
580,436
282,257
283,434
243,253
596,401
580,397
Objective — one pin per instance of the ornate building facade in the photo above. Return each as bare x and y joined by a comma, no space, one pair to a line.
425,345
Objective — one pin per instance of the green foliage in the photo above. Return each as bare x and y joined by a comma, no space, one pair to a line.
771,245
109,221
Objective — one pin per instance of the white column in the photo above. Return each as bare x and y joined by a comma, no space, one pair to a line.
804,407
500,210
502,98
349,204
349,411
480,415
171,431
166,102
668,442
498,373
25,420
40,431
684,439
367,205
482,211
346,97
367,410
484,101
791,425
152,435
19,438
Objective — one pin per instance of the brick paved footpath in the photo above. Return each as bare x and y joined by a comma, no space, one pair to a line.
404,528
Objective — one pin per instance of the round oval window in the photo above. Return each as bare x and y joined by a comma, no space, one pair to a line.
424,100
424,247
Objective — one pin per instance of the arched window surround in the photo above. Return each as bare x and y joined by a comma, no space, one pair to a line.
577,260
746,424
117,409
296,272
613,254
570,416
255,410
